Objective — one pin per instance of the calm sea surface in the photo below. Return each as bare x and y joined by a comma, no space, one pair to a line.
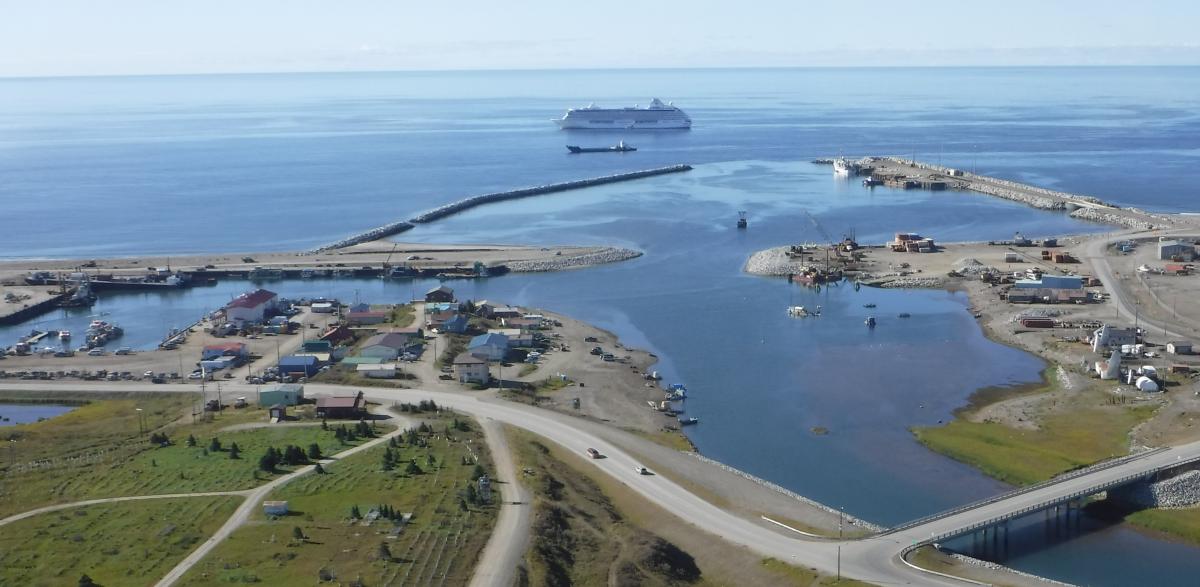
127,166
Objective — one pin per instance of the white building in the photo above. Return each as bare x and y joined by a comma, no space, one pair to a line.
377,370
250,308
470,369
516,336
1110,369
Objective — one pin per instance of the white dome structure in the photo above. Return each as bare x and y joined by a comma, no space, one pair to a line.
1147,385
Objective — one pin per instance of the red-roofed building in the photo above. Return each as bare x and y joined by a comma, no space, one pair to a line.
250,308
346,406
224,349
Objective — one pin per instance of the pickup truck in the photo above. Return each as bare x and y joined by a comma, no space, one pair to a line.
593,453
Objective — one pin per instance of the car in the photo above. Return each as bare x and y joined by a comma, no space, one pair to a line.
148,374
597,351
590,339
609,357
593,453
124,351
158,380
96,352
195,375
641,470
413,257
67,353
446,377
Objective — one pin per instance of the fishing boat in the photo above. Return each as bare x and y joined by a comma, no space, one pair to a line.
868,305
802,312
742,223
677,391
64,335
689,421
905,315
870,322
620,147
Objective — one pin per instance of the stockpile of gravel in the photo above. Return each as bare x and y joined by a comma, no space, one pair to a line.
773,262
971,266
913,282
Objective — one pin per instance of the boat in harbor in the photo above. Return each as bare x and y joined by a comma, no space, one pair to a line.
870,322
905,315
802,312
742,223
677,391
64,335
620,147
843,166
100,333
656,116
868,305
689,421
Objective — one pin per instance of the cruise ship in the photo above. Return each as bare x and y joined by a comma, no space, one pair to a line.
655,116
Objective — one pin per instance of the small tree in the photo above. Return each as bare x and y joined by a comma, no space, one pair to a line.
477,472
215,445
319,469
412,468
472,495
388,462
297,533
355,514
429,460
268,461
314,451
191,442
383,552
234,451
86,581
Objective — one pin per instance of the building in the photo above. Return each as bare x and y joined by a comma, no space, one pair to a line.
316,346
250,308
470,369
502,312
366,318
277,413
437,320
299,366
224,349
286,394
322,308
275,508
516,337
456,324
377,370
1179,347
490,347
385,345
1048,296
337,335
527,322
1110,369
347,406
1107,337
1170,249
440,293
1052,282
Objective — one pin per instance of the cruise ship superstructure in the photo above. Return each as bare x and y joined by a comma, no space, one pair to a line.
655,116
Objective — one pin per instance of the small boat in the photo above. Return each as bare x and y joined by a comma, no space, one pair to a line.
620,147
870,322
905,315
802,312
676,391
868,305
306,274
689,421
64,334
871,182
843,167
741,223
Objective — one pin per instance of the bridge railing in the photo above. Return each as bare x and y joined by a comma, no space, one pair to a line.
1023,490
1092,490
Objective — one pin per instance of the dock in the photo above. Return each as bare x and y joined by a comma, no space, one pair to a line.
465,204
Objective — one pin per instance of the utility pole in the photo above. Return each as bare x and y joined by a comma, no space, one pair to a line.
141,429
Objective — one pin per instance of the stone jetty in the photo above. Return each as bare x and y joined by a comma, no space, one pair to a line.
473,201
605,255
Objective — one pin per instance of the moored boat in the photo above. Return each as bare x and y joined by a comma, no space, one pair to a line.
620,147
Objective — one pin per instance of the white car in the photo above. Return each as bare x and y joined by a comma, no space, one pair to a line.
96,352
641,470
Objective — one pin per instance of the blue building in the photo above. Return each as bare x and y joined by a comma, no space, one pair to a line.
490,347
1051,282
303,366
457,324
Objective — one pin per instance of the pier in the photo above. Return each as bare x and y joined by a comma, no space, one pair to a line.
474,201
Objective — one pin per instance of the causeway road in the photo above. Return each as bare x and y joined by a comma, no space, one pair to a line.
875,559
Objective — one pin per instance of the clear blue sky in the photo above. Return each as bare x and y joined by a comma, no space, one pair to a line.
87,37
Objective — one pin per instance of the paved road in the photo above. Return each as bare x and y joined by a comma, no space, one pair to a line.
874,559
506,546
79,504
1095,253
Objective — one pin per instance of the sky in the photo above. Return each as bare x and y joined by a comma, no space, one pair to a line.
118,37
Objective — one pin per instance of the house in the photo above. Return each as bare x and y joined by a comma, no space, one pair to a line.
440,293
250,308
300,366
367,317
516,337
386,345
433,308
456,324
524,323
437,320
225,349
501,312
470,369
377,370
323,307
275,508
316,346
348,406
363,360
284,394
1107,337
337,335
491,346
360,307
1170,249
1179,347
277,413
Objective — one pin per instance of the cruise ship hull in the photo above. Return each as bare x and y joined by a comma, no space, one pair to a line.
656,116
618,124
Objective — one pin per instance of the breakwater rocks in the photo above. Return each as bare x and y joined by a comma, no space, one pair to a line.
1180,491
467,203
605,255
911,282
473,201
1105,217
999,567
852,520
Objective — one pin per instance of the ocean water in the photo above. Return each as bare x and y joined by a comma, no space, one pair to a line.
13,414
127,166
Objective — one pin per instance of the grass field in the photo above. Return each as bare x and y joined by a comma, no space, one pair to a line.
128,543
96,451
437,547
1183,524
1084,432
593,530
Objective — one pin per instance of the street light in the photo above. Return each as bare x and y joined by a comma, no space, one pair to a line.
141,427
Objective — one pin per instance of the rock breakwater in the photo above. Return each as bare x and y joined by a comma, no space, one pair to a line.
559,263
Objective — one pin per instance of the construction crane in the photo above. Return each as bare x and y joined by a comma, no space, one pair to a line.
825,235
387,263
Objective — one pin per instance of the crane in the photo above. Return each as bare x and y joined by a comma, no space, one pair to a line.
824,235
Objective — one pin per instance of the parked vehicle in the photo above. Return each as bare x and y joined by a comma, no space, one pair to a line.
641,470
593,453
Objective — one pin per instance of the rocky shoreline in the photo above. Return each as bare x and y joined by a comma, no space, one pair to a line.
1180,491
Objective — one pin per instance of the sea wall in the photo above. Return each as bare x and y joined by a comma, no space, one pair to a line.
606,255
1180,491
